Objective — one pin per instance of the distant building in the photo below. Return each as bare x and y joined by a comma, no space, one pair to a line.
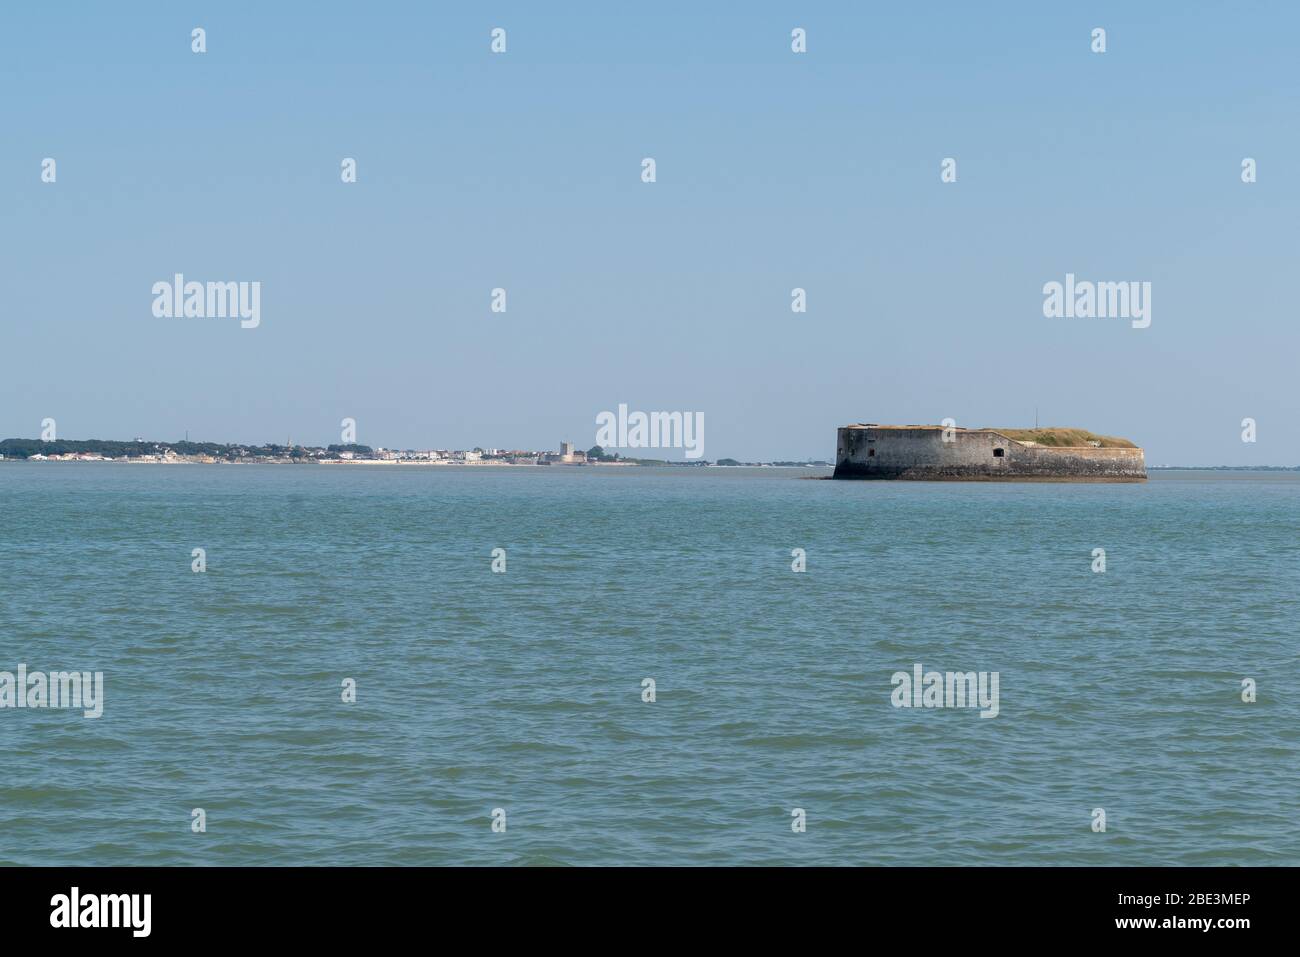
566,456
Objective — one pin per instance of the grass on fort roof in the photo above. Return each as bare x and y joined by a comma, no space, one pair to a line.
1065,437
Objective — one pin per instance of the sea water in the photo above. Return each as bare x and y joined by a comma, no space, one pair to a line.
519,696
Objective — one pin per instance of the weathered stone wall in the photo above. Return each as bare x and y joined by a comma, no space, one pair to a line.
921,453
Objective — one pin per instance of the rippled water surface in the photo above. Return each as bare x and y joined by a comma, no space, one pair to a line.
522,690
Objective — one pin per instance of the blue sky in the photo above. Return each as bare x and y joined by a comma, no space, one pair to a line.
775,170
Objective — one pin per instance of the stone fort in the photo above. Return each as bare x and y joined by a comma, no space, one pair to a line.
936,453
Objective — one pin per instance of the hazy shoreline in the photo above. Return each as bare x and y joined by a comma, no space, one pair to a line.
545,465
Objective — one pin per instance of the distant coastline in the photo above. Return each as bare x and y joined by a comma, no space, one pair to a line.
142,451
1223,468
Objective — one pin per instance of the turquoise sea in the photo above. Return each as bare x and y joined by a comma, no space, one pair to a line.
522,690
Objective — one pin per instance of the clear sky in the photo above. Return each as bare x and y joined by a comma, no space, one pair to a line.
775,170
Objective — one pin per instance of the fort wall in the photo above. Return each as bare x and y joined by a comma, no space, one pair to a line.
869,451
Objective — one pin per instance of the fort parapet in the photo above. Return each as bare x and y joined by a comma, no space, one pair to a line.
933,453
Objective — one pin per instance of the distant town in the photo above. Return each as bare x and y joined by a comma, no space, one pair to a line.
210,453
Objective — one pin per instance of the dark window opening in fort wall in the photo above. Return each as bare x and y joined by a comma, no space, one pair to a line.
998,453
871,452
